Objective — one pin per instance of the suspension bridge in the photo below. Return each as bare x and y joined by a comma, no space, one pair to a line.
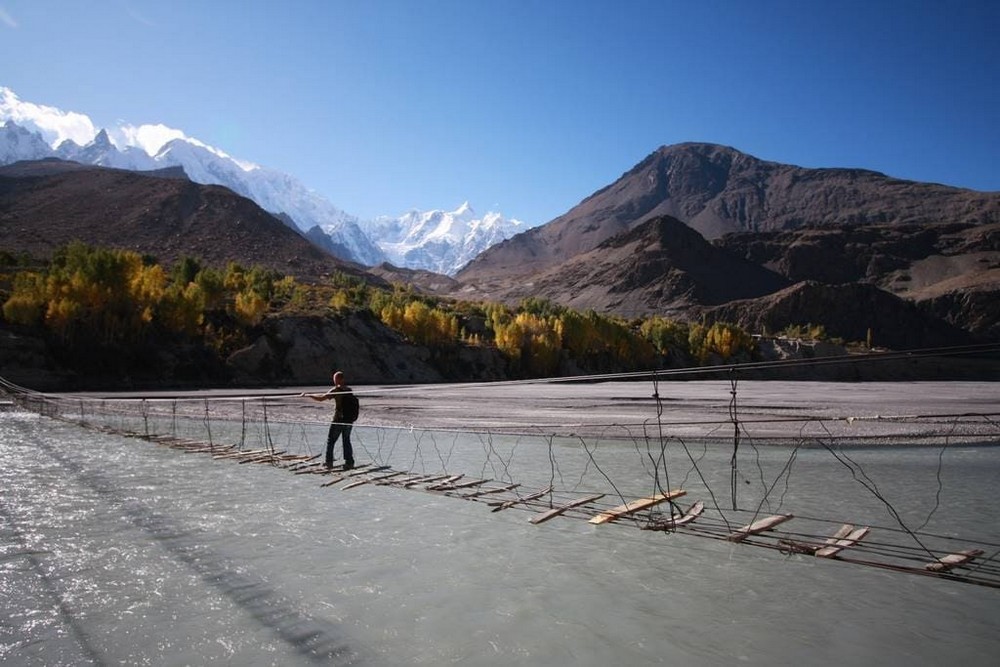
645,469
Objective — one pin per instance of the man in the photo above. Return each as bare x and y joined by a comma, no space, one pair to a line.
344,413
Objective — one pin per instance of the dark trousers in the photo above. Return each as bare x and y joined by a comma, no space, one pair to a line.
336,430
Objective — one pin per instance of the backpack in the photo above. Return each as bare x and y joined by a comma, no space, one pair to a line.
351,407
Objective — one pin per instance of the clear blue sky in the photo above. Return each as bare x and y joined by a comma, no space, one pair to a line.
525,107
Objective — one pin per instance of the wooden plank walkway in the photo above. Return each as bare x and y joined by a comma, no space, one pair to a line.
502,495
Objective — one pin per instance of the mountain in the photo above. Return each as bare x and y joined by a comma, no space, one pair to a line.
439,241
17,143
950,269
425,281
660,267
33,132
158,213
718,190
936,247
102,153
846,311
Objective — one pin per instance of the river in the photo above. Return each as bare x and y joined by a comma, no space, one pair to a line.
116,550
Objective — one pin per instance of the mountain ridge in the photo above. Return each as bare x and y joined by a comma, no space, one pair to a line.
276,192
163,215
716,190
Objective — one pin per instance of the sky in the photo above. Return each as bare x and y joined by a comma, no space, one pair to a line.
524,107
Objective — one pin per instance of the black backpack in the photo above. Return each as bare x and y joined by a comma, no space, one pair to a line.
351,407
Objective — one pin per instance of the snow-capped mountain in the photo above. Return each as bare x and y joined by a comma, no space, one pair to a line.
434,240
103,153
439,241
17,143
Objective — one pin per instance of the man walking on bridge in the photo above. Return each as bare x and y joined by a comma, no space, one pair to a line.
344,413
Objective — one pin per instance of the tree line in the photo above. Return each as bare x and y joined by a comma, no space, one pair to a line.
111,297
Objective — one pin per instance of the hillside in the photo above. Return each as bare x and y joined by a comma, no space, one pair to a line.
847,311
49,203
718,190
935,246
660,267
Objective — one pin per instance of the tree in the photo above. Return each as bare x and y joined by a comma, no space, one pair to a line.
28,301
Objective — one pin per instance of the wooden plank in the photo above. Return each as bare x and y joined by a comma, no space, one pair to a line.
634,506
425,479
398,482
841,533
204,449
241,453
460,485
321,469
839,545
953,560
678,520
505,504
352,473
300,468
372,480
812,547
300,462
485,492
261,458
542,517
759,526
447,480
692,513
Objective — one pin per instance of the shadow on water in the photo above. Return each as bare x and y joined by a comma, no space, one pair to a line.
316,639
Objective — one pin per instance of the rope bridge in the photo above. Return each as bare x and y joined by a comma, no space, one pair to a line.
619,476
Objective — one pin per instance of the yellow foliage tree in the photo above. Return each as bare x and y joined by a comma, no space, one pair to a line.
250,307
722,339
532,341
182,308
27,303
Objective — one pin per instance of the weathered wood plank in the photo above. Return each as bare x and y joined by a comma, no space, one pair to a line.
542,517
261,457
300,468
484,492
505,504
634,506
839,545
352,473
447,480
691,514
459,485
759,526
426,479
678,520
242,452
298,463
953,560
812,547
371,480
204,449
396,481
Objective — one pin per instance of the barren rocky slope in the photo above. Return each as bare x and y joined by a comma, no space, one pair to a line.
717,190
47,204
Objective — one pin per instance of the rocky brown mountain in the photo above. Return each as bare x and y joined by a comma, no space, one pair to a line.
848,311
49,203
662,266
718,190
951,270
933,245
423,280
